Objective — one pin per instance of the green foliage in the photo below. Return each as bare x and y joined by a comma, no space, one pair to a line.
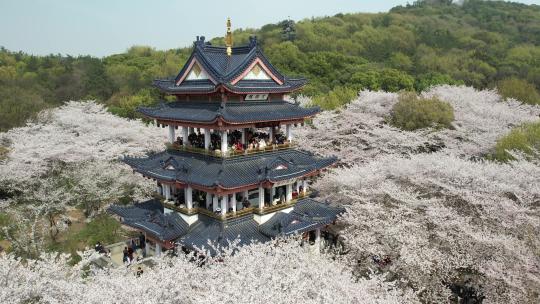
127,105
3,152
520,90
5,221
525,138
393,80
411,113
412,47
426,81
103,228
335,98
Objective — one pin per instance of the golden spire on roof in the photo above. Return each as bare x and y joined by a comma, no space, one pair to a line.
228,38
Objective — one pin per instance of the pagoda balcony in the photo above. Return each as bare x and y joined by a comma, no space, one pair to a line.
231,215
231,153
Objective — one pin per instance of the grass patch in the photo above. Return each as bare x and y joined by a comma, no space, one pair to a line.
525,138
103,228
412,112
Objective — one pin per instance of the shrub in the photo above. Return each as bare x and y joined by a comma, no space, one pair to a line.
5,220
3,152
520,90
525,138
335,98
393,80
411,113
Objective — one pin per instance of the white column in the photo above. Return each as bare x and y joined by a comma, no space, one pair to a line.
171,134
289,192
158,249
318,238
304,186
243,136
261,197
215,203
185,136
206,139
298,187
188,196
288,132
224,142
159,189
224,201
167,191
208,200
233,202
272,194
271,134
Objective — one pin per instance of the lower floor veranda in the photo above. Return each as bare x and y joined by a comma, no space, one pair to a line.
257,199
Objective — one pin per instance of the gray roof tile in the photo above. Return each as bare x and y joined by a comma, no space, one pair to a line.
231,112
235,172
224,69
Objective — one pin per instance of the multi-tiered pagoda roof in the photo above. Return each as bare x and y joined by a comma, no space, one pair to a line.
215,70
233,172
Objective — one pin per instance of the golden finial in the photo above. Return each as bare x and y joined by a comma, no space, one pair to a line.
228,38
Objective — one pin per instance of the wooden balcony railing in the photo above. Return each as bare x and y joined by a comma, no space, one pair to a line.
232,215
280,206
231,152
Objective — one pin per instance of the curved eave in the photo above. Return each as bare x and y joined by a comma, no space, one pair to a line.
292,87
222,120
167,86
299,221
141,227
219,187
144,112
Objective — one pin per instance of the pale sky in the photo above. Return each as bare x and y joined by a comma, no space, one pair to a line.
104,27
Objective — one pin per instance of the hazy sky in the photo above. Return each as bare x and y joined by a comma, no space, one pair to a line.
103,27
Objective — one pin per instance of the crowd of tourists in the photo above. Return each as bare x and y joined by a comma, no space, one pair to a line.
255,140
128,254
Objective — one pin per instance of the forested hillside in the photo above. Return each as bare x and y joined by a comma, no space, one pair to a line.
481,44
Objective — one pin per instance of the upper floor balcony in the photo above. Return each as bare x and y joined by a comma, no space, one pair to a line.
233,151
231,143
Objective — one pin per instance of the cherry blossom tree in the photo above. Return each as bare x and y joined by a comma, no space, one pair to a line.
428,200
278,272
428,219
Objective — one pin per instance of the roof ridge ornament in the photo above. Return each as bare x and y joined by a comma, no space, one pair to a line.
228,38
199,41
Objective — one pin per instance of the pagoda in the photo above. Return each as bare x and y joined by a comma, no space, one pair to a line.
230,171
